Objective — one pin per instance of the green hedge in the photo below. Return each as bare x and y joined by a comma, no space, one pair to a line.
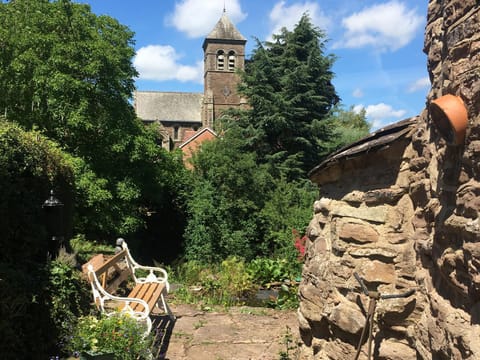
30,165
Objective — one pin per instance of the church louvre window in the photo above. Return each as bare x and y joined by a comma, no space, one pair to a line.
231,60
175,133
220,60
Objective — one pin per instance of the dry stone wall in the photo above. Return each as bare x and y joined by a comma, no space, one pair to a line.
405,217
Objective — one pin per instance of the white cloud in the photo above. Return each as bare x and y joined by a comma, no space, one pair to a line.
160,62
420,84
380,114
288,16
357,93
196,18
387,26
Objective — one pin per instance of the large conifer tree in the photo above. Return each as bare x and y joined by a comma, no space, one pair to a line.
288,82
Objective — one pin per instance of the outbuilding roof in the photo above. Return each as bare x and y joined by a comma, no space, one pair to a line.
371,143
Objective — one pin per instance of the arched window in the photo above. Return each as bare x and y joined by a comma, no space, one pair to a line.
220,60
231,60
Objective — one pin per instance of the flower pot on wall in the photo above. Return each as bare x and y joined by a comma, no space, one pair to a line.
450,117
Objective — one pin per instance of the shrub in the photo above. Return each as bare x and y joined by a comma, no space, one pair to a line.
227,283
30,165
68,297
119,334
85,249
265,270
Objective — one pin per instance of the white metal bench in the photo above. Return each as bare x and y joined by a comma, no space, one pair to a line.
151,286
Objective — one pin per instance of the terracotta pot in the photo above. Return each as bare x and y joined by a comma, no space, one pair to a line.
450,117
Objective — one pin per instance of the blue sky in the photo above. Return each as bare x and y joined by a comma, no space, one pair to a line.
380,64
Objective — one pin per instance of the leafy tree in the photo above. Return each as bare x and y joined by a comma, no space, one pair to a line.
237,207
228,193
288,82
349,126
69,73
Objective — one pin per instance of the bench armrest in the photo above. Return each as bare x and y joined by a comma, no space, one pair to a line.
155,274
100,296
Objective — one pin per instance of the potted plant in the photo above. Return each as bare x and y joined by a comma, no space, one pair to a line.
118,336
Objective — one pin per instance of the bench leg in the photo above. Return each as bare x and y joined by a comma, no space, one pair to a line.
166,308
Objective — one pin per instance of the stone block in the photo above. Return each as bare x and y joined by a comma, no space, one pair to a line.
391,349
419,192
378,272
359,233
354,197
383,196
387,255
348,317
375,214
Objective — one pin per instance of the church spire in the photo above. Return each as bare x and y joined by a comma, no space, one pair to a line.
224,31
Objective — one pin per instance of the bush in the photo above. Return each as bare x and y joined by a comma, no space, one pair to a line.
25,323
227,283
118,334
85,249
30,165
265,270
68,297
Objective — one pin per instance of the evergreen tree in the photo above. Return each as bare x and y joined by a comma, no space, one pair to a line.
250,191
288,82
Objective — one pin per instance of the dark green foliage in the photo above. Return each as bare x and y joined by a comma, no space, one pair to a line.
69,73
30,166
25,323
67,296
223,206
288,207
237,207
288,84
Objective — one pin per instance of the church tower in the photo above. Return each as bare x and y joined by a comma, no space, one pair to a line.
224,52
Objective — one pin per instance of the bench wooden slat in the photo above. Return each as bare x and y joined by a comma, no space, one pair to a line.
149,292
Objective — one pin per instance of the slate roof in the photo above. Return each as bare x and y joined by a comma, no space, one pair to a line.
374,142
168,106
224,30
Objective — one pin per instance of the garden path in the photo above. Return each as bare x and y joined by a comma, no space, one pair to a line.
237,333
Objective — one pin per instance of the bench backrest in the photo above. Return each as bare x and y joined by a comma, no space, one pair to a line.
111,272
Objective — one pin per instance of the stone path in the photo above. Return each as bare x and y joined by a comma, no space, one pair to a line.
237,333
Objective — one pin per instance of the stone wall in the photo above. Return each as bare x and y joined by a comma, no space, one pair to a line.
405,217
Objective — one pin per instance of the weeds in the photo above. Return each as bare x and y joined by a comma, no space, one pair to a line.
289,347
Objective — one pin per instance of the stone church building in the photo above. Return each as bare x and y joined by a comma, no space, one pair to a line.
183,114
